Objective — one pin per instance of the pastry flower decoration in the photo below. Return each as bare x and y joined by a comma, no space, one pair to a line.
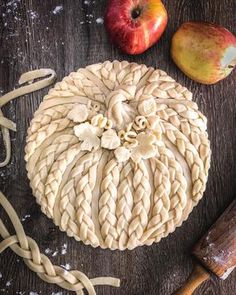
98,132
145,148
110,140
92,134
78,114
81,113
122,154
89,135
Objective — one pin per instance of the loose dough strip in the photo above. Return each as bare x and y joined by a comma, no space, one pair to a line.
28,77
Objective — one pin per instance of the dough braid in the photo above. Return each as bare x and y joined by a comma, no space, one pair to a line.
161,201
142,191
28,249
34,140
48,116
124,204
107,203
84,189
56,174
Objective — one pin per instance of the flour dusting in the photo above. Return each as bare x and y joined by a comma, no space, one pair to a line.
58,9
8,283
64,249
0,275
100,20
48,251
66,266
25,217
55,253
32,14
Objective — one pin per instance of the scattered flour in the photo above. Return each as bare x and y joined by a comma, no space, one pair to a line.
33,293
0,275
33,14
89,2
25,217
66,266
13,2
8,283
58,9
100,20
48,251
57,293
64,249
55,253
21,292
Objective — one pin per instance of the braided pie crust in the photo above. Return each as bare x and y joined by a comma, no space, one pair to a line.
118,155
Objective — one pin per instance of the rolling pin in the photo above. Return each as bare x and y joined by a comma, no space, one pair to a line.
215,252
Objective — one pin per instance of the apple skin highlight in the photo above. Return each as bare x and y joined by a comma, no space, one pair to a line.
205,52
135,25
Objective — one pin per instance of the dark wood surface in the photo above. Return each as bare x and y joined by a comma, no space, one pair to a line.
33,37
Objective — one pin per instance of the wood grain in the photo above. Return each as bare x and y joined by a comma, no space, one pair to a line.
61,42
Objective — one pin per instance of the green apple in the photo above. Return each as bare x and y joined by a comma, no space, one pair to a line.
205,52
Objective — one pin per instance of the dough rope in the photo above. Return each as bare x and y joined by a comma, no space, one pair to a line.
155,155
27,248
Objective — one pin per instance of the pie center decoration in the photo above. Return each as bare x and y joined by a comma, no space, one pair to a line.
118,155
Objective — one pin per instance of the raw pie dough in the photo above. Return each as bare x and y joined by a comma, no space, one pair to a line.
118,155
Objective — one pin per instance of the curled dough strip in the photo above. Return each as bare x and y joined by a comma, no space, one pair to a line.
6,124
27,248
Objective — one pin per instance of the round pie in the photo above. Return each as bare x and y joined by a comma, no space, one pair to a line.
118,155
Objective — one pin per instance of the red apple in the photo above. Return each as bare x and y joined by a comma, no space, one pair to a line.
205,52
135,25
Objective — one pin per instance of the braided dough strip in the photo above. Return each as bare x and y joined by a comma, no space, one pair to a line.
27,248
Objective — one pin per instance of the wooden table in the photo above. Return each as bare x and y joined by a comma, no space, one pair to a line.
34,35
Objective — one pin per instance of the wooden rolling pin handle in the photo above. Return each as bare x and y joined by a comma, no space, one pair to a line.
196,278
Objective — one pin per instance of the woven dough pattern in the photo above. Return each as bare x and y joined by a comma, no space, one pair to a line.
118,155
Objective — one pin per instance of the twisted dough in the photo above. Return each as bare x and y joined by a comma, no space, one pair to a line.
130,167
27,248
